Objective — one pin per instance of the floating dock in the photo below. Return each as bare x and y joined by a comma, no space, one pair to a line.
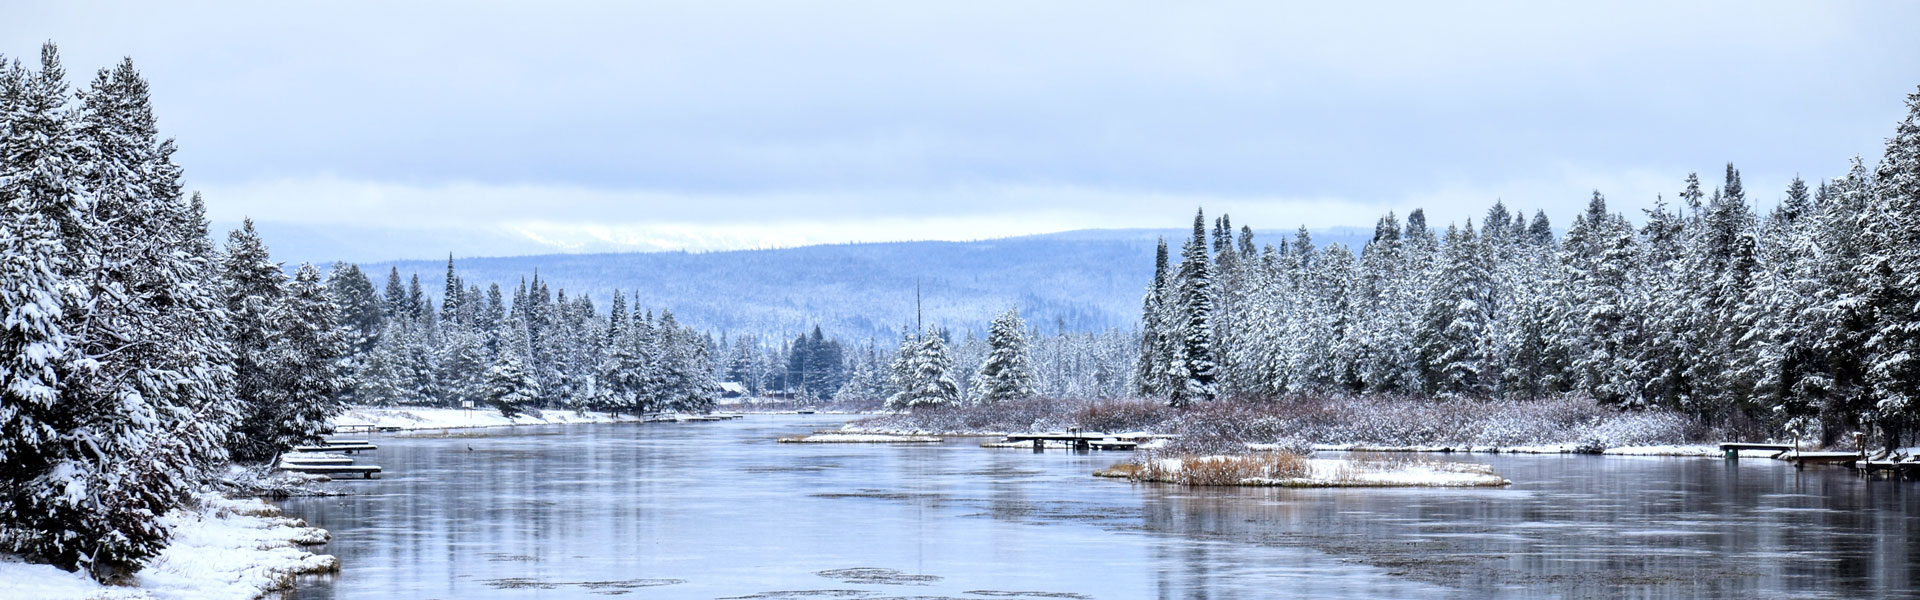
318,460
345,448
1084,440
1802,459
365,471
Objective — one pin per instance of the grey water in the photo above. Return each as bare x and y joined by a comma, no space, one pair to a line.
720,510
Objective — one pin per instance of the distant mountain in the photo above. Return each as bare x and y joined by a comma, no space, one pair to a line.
1074,280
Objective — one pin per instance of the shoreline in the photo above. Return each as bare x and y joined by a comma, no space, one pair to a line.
417,418
1296,471
238,548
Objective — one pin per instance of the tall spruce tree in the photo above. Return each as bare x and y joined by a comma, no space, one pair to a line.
1197,362
1007,373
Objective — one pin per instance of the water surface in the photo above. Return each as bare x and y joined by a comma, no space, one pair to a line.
719,510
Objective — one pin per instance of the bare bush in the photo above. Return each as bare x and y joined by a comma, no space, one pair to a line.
1121,415
1220,470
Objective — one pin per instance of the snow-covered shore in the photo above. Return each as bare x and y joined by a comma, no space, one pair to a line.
1284,470
414,418
225,548
857,438
1682,450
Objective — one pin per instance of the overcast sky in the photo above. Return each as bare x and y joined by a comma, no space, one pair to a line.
745,124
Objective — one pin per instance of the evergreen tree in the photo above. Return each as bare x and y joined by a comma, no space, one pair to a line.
308,347
1893,275
255,289
510,386
1007,373
113,385
1196,363
1155,348
924,375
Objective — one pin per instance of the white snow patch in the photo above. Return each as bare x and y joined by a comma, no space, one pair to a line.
239,549
1341,472
411,418
856,438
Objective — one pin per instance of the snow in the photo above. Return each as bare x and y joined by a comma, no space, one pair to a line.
239,549
1341,472
454,418
856,438
1691,450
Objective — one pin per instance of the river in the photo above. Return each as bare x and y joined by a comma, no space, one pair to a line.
720,510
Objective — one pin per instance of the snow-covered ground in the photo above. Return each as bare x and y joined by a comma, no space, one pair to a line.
856,438
1304,472
239,549
1694,450
456,418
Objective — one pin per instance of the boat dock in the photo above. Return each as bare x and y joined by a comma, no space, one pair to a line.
341,448
1084,440
320,460
1895,464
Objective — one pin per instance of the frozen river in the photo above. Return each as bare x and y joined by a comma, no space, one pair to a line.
719,510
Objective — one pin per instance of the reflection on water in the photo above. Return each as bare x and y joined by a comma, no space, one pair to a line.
714,510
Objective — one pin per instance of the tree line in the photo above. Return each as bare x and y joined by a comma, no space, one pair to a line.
137,358
1800,320
539,349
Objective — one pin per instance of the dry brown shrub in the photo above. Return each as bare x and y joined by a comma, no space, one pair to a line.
1223,470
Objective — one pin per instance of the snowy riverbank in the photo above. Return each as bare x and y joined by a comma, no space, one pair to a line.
1683,450
413,418
1291,470
225,548
857,438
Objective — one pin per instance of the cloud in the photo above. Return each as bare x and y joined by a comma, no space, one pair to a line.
742,122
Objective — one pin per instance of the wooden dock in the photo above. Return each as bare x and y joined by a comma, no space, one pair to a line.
705,418
1905,467
1737,446
316,460
1802,459
365,471
1085,440
344,448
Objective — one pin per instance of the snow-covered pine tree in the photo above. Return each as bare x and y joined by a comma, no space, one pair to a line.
255,288
388,372
356,304
1526,316
741,364
1154,331
112,381
1893,270
1197,359
452,295
308,348
1007,373
871,382
1659,307
1843,347
1789,377
1594,333
1458,323
395,302
924,375
510,386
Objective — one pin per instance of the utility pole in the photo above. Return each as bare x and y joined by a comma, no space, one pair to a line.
918,328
